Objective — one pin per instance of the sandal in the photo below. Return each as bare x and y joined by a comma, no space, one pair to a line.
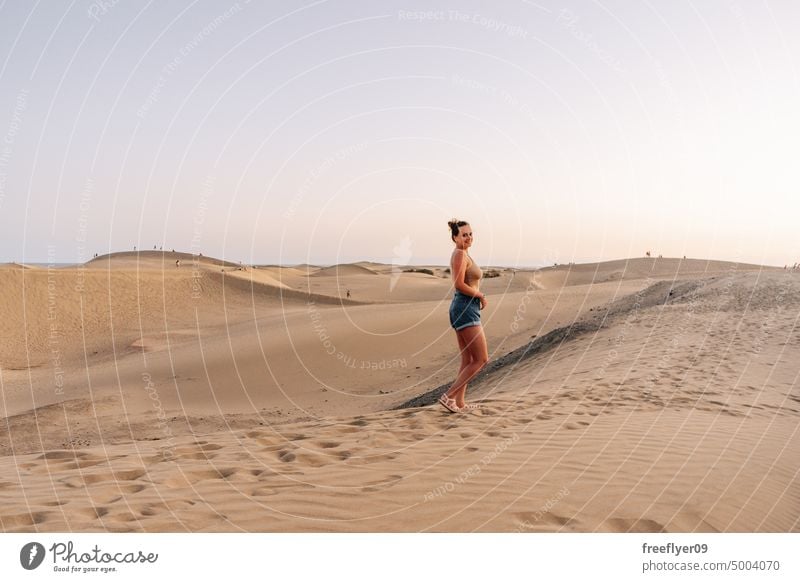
448,403
471,406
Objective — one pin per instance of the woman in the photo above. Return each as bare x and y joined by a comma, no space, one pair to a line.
465,316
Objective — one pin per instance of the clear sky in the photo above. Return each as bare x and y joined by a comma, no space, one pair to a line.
338,131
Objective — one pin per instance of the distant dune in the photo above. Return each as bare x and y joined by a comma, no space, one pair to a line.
343,271
639,268
154,259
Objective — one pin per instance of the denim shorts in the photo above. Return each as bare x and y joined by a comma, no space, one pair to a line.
465,311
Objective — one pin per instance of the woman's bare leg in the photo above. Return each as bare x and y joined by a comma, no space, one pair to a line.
466,358
475,344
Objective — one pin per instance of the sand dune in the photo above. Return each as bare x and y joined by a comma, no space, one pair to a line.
343,271
262,276
282,272
42,310
640,268
155,259
641,395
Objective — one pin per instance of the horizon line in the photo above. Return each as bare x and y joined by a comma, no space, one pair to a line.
324,266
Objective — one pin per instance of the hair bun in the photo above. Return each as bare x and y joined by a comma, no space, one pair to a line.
455,224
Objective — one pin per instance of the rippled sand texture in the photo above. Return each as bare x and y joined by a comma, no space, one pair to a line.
658,412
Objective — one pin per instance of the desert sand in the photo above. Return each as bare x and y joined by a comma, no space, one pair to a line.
640,395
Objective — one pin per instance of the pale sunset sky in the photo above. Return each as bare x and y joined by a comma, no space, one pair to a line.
337,131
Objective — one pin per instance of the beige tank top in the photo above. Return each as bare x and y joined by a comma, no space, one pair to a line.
473,272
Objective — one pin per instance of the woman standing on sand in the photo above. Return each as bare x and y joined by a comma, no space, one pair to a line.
465,316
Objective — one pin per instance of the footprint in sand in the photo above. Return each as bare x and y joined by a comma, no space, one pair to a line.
196,456
543,521
78,481
91,512
340,430
273,488
368,459
130,487
121,475
381,484
191,478
634,525
286,456
197,452
264,491
167,507
24,520
83,463
61,455
327,444
125,516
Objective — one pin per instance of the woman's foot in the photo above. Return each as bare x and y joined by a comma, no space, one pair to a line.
448,403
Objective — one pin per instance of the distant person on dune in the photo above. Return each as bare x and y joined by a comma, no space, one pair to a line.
465,316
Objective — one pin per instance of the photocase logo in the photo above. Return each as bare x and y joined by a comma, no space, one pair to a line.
31,555
402,254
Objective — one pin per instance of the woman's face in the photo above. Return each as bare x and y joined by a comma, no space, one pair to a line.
464,238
